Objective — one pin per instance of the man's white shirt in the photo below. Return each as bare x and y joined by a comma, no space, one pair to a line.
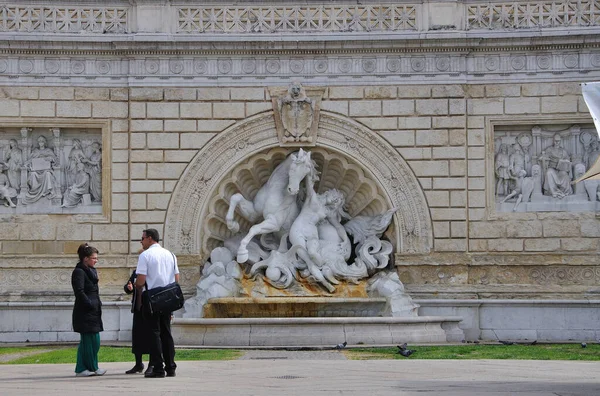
159,265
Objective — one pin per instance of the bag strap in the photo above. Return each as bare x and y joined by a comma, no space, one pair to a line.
174,261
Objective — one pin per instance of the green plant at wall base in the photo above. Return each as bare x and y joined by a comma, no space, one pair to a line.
483,351
114,354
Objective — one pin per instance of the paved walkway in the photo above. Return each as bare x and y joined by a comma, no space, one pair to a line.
316,373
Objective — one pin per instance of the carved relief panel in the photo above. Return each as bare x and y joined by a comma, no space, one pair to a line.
534,167
50,170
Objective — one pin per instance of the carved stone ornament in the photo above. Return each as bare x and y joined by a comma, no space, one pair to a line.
239,158
296,114
534,168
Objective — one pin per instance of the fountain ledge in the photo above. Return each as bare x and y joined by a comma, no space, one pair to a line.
320,331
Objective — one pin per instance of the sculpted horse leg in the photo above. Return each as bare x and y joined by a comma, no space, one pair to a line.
270,224
246,208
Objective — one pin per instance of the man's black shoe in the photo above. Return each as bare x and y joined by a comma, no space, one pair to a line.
170,373
135,369
150,373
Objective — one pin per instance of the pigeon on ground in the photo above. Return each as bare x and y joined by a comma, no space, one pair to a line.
583,345
341,346
506,342
402,347
406,352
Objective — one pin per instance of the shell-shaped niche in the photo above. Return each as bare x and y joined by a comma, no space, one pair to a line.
362,193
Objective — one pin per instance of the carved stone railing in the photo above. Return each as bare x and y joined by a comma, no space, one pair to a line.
289,17
293,19
63,19
535,14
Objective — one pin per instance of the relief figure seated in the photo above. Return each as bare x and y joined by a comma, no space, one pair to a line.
557,165
40,167
80,187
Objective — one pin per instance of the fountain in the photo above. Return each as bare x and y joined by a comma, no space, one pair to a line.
304,272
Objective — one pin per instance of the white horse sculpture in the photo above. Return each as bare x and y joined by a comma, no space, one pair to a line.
275,202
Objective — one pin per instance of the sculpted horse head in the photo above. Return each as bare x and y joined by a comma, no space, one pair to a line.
301,166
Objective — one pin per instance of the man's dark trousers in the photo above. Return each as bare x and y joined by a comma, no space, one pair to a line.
162,345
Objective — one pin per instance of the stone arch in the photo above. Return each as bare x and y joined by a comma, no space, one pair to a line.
193,214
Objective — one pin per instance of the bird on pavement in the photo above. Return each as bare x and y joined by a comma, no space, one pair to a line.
505,342
341,346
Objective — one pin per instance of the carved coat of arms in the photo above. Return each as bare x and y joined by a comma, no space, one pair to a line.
296,116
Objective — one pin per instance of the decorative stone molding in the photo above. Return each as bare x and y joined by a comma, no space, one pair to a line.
63,19
296,113
297,18
528,15
194,218
47,68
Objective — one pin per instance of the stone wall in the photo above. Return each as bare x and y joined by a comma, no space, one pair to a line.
443,132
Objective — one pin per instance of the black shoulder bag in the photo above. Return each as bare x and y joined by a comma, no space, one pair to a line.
164,299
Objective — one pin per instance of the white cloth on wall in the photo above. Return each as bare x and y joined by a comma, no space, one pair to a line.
591,95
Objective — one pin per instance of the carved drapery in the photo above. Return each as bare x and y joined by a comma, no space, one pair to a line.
194,224
51,170
534,165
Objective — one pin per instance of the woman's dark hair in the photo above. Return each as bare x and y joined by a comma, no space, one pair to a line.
85,250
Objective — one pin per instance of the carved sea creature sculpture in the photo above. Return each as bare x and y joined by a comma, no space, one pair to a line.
279,267
362,227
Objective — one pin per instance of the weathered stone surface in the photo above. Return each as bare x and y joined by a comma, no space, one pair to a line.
365,108
398,107
434,137
73,109
195,110
485,106
69,231
487,230
542,244
564,228
522,105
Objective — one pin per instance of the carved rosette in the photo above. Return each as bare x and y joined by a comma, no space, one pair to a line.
195,221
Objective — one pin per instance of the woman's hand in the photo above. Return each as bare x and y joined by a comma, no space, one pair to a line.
129,286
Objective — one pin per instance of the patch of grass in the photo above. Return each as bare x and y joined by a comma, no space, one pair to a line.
483,351
116,354
12,350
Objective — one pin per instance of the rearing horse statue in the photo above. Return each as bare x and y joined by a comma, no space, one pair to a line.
275,202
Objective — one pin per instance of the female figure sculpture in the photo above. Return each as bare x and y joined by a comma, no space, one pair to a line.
75,156
275,202
41,180
81,186
501,170
14,160
94,168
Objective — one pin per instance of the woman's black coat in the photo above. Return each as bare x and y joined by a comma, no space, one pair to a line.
87,312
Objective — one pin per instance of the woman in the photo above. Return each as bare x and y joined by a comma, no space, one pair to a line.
140,336
87,312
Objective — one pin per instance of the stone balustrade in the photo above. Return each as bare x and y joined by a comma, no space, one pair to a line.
286,17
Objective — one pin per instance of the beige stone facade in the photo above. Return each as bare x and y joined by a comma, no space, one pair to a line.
435,105
443,133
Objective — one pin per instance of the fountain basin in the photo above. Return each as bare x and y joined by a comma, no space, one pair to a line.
320,332
293,307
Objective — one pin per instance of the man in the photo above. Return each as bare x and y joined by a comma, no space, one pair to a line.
157,267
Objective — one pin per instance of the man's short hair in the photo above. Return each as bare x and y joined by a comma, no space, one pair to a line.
152,233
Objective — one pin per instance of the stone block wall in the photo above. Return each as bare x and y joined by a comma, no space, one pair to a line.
442,131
